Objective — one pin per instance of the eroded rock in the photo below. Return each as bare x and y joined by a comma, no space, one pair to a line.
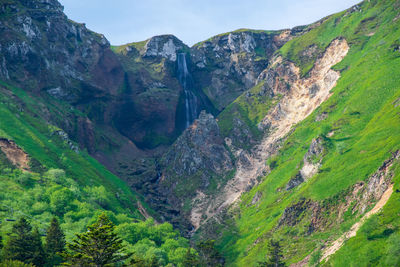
15,154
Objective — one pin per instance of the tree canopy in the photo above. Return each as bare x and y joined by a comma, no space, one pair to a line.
24,244
99,246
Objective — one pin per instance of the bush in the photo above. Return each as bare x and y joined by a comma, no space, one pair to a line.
13,263
26,179
61,201
55,175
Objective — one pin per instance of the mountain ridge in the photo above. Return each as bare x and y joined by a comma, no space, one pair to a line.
293,126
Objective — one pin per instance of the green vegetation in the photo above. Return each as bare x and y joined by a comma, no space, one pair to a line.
24,244
123,49
65,190
15,263
362,117
274,255
377,243
250,108
55,243
71,186
102,244
157,244
210,254
99,246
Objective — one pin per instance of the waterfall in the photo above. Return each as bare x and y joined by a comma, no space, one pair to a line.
187,83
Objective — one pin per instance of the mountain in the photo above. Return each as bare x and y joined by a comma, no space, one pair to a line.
247,137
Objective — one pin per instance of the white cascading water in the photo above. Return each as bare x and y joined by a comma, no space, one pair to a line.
190,98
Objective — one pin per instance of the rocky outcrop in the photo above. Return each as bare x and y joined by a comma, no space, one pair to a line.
357,199
15,154
296,103
195,163
64,137
41,48
200,147
294,213
311,163
166,46
229,64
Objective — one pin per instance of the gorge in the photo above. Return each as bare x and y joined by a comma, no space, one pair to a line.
246,138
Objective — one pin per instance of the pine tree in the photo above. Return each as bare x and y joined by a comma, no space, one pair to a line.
274,255
1,246
191,259
55,243
209,254
15,263
39,258
99,246
24,244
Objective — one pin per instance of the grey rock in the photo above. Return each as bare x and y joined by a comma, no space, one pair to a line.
165,46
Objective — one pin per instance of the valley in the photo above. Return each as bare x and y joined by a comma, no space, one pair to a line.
207,155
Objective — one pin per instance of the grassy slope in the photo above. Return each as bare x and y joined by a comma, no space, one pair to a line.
35,137
377,243
72,186
366,123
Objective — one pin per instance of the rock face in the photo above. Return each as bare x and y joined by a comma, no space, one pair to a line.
195,163
229,64
15,154
166,46
360,196
311,163
201,147
42,49
296,103
128,105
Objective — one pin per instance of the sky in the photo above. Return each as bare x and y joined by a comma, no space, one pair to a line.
192,21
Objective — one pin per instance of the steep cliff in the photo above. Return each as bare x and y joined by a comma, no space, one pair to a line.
228,64
327,149
247,137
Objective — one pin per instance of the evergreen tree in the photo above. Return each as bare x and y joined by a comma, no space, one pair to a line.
39,258
24,244
138,261
55,243
1,246
15,263
209,254
274,258
99,246
190,259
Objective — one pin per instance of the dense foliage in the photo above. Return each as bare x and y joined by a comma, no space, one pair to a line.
24,244
99,246
55,243
102,244
73,187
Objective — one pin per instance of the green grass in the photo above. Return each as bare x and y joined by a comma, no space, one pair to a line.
121,49
251,107
71,186
363,113
35,137
377,243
